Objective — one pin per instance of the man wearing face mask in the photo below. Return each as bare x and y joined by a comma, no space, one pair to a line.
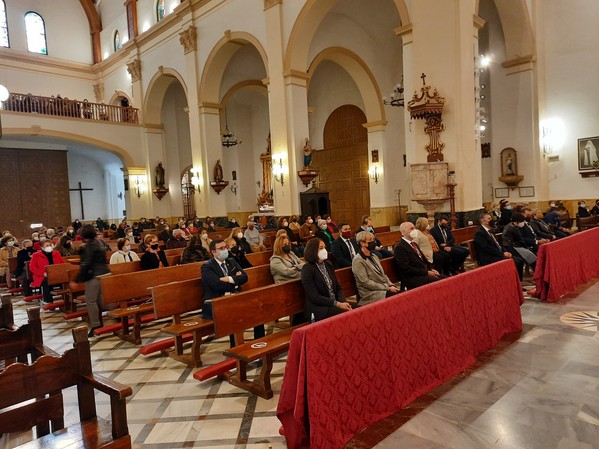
177,240
254,238
379,251
39,260
415,270
307,230
514,242
344,248
583,212
24,255
8,248
371,280
322,232
221,276
444,238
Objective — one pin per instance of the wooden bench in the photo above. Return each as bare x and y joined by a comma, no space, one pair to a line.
7,320
123,288
389,239
235,313
587,222
259,258
57,275
31,396
178,298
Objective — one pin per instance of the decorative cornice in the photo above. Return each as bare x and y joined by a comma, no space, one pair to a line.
99,92
15,59
270,3
134,69
378,125
405,33
478,21
189,39
296,77
521,64
209,108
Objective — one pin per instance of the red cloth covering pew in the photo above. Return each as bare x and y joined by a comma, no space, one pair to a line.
564,264
351,370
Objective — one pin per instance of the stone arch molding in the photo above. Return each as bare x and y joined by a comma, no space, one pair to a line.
119,93
305,26
361,75
517,30
218,59
121,153
156,91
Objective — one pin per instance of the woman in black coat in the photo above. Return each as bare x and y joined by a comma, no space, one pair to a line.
153,257
324,297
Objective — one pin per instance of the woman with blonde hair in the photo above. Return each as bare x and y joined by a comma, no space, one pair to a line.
441,260
205,240
284,264
237,234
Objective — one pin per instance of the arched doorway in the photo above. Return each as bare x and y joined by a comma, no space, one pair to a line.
343,164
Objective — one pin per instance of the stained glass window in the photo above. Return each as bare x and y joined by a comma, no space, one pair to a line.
117,40
36,33
159,10
3,26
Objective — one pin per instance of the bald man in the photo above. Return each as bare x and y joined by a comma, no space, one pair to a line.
414,269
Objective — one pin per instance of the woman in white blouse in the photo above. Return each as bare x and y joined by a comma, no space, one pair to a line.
124,253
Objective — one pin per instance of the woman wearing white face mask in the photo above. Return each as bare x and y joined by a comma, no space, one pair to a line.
124,253
324,297
205,240
37,267
441,260
8,248
242,243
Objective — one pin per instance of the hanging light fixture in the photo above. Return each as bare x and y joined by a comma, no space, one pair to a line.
228,138
397,98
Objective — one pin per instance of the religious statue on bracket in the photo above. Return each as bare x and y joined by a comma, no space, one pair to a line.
509,168
429,107
307,173
160,182
265,199
219,183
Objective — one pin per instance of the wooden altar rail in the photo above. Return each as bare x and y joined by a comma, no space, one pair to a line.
64,107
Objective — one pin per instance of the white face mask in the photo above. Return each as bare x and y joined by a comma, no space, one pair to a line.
551,204
583,205
323,254
414,233
11,243
323,227
204,236
240,235
285,224
509,207
310,221
48,249
428,227
127,248
329,220
130,234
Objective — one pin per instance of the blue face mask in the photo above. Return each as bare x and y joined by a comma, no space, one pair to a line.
223,254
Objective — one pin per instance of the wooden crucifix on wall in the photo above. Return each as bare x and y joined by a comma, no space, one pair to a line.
80,190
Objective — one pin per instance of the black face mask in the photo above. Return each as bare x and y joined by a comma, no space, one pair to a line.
286,249
443,226
234,250
30,249
154,246
371,246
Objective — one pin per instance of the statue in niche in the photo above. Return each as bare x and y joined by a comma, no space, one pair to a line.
509,165
159,172
307,154
509,168
218,172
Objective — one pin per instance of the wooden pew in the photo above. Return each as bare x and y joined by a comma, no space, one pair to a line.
178,298
463,235
260,258
583,223
57,275
31,396
121,289
235,313
7,320
24,343
389,239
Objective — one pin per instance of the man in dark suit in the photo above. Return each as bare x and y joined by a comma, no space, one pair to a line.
488,249
540,227
221,276
344,248
414,269
444,238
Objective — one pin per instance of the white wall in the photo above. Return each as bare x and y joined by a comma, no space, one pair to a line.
91,175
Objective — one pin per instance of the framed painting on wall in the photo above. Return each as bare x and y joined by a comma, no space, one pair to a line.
502,192
588,153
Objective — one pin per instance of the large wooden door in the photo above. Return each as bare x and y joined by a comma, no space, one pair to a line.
34,188
343,165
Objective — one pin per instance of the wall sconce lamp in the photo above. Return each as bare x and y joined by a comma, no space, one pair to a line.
547,141
139,187
196,179
277,171
374,169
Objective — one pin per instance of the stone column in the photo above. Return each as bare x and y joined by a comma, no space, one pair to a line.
134,69
210,150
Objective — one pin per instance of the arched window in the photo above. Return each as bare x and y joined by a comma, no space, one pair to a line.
117,40
3,26
36,33
159,10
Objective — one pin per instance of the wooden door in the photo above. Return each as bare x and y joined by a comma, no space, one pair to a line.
34,188
343,165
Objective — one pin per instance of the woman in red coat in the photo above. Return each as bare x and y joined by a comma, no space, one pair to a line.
37,266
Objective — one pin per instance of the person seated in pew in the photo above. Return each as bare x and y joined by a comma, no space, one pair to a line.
322,232
70,233
92,266
153,257
232,223
367,225
307,230
124,253
284,264
488,249
65,247
293,224
331,225
595,209
583,211
541,228
191,227
8,248
553,220
177,240
414,269
254,238
221,276
133,235
120,232
205,240
237,234
444,238
21,273
238,253
165,234
514,242
528,233
194,252
39,260
372,282
344,248
324,297
210,225
296,246
270,223
441,260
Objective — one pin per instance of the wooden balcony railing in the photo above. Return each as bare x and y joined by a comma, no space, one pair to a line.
63,107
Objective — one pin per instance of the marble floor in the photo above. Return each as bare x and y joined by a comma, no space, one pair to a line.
538,389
